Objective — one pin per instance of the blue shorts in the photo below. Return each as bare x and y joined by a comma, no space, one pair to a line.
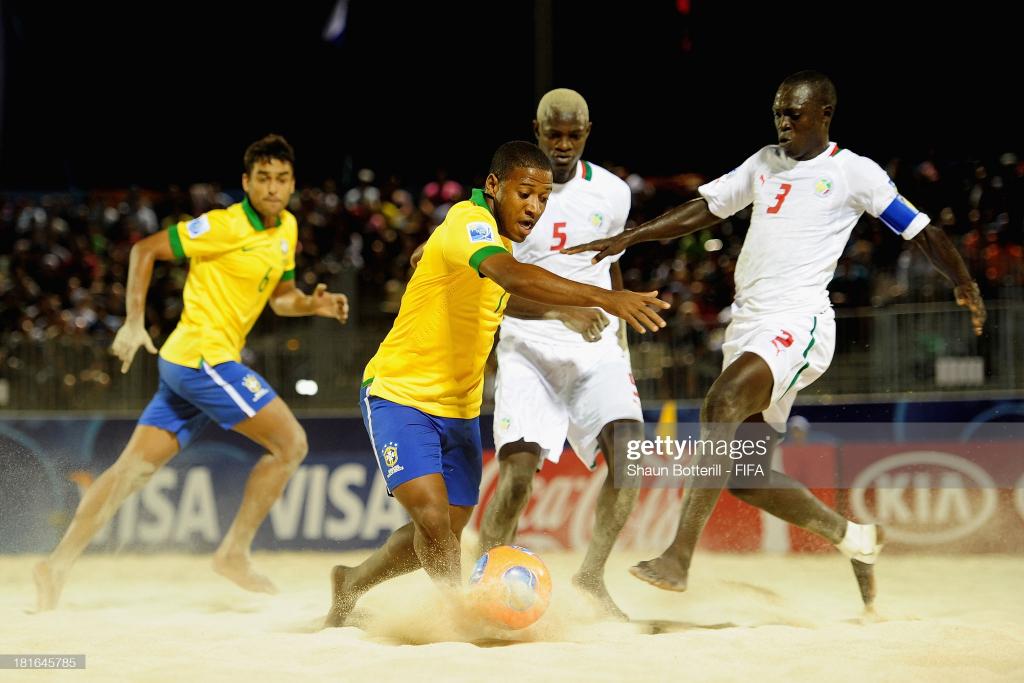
409,444
188,398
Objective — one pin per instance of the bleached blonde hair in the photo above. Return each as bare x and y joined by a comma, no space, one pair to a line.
563,101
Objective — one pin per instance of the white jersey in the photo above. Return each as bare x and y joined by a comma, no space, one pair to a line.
591,206
802,216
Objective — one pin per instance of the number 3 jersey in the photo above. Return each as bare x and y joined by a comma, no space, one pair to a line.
802,216
591,206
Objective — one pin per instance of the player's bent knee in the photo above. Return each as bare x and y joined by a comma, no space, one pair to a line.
295,449
724,405
518,483
133,472
432,521
300,449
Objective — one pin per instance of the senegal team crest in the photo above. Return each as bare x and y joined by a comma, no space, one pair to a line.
596,219
505,423
252,383
823,187
391,454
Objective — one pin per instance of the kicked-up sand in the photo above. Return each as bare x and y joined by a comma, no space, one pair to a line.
751,617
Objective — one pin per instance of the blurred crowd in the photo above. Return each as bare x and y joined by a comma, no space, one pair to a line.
65,256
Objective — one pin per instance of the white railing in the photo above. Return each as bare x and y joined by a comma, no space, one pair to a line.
897,349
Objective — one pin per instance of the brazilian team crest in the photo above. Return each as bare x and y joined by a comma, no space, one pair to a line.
284,246
390,454
252,383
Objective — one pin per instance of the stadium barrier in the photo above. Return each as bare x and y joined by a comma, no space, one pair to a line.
316,364
337,501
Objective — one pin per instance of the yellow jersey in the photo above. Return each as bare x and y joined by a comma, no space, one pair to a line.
235,263
433,357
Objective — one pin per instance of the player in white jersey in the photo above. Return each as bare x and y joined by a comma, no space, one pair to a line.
564,372
807,194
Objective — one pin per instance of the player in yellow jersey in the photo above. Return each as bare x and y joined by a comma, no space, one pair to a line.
421,392
241,258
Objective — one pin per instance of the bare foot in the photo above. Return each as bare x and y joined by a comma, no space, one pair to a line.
865,574
238,568
593,586
661,572
49,584
343,597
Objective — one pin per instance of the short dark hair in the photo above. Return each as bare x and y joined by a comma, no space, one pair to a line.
518,154
823,87
266,148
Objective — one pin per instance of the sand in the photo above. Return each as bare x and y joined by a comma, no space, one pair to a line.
746,618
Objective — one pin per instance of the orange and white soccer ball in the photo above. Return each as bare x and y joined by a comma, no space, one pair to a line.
510,587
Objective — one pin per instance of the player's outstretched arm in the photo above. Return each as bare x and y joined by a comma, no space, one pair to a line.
288,300
939,249
686,218
617,283
132,333
536,284
588,322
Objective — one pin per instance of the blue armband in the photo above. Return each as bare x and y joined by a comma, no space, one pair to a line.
899,214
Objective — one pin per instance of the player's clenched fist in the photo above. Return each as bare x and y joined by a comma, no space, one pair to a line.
329,305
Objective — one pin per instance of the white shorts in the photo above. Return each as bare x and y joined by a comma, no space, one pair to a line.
797,347
547,392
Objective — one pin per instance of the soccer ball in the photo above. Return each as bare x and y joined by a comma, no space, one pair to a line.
510,587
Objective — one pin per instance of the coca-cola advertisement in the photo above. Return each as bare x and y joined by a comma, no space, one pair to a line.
941,495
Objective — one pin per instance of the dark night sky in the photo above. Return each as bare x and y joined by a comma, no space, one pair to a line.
99,97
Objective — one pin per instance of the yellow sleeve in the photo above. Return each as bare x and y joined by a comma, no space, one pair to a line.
470,237
211,233
289,259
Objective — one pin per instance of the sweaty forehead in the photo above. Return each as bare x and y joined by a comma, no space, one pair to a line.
793,96
530,176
